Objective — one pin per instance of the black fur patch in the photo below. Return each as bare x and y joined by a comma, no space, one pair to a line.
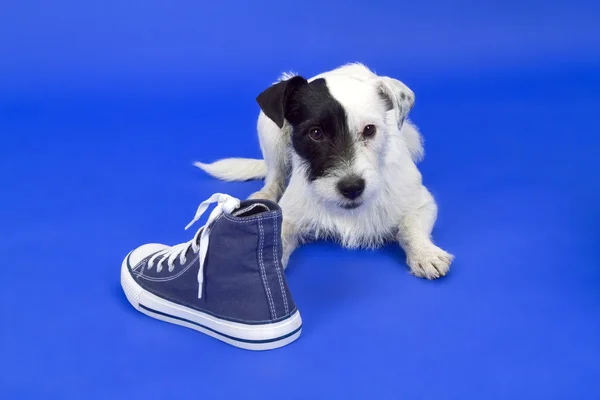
312,105
273,100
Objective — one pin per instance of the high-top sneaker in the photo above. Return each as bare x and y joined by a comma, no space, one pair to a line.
227,282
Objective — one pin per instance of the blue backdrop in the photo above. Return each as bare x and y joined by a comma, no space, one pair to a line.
105,104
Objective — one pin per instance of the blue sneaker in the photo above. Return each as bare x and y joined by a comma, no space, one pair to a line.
227,282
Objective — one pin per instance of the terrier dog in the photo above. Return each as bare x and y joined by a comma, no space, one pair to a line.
340,158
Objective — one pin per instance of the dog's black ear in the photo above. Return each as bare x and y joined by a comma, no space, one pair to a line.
397,96
273,100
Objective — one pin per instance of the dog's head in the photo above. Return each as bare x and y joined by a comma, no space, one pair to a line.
341,127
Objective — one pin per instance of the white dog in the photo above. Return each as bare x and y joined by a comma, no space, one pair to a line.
339,157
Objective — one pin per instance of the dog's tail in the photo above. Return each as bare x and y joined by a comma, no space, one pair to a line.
235,169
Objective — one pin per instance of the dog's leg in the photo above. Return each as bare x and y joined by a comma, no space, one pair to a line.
274,182
293,229
290,240
273,143
424,258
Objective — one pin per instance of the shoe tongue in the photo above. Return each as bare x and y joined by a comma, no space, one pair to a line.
252,209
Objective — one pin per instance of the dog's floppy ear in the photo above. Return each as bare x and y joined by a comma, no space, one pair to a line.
397,96
273,100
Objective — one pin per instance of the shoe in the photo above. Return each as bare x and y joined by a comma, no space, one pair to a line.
227,282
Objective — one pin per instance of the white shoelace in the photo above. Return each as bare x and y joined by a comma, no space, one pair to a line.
225,204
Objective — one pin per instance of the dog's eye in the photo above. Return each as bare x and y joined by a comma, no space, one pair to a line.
369,131
316,134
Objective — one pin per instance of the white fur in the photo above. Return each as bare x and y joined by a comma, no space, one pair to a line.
395,204
235,169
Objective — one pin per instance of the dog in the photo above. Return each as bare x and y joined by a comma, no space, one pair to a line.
340,158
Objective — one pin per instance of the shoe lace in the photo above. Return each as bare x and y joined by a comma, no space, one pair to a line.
199,242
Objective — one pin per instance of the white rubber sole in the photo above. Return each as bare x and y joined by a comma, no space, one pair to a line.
245,336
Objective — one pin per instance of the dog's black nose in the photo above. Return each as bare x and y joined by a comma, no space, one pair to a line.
351,187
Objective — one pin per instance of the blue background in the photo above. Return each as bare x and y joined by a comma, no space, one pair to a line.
105,104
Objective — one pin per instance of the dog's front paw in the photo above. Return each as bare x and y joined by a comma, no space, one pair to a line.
285,257
264,195
429,262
